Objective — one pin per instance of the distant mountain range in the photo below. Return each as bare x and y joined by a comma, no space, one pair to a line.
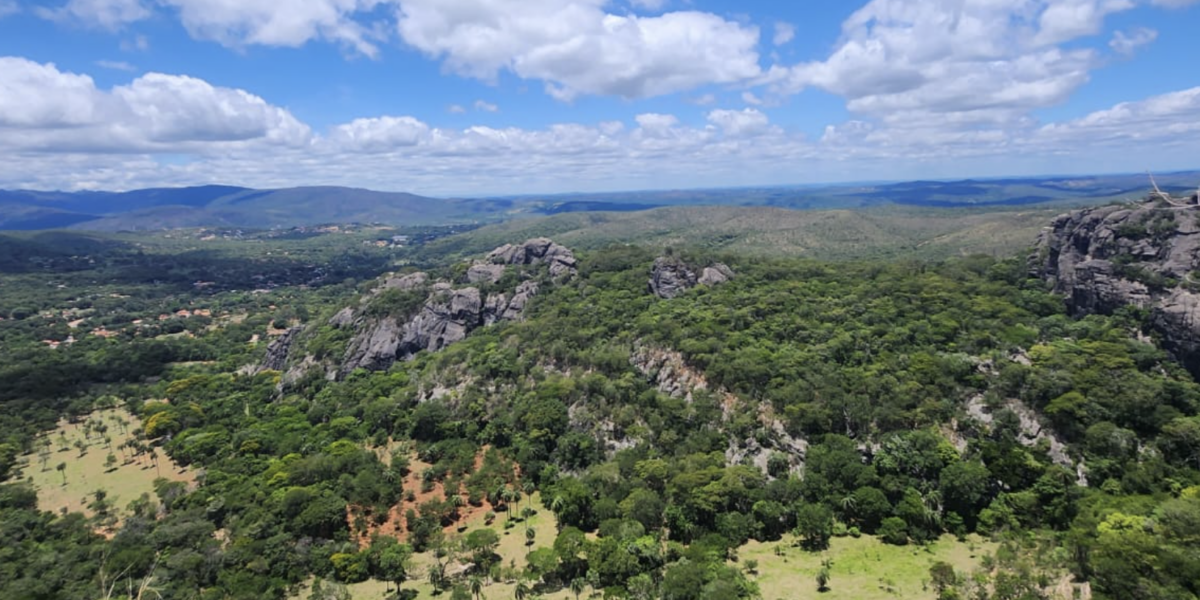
227,206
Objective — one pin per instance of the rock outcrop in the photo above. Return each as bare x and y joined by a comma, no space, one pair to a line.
450,313
278,350
559,259
670,276
1143,255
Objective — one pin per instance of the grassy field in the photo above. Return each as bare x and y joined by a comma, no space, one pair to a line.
72,489
862,568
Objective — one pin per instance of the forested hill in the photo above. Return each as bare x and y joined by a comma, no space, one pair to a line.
645,423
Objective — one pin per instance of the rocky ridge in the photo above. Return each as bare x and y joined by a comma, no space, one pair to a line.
449,312
1146,255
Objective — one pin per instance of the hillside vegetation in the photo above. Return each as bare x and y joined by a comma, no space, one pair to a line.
835,234
644,447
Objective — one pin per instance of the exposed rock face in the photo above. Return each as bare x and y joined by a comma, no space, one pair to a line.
670,276
449,314
560,260
343,318
1104,258
716,274
485,272
278,350
405,283
1032,433
668,370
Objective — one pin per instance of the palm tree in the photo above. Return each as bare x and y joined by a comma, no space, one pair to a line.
476,586
62,470
530,534
522,591
577,586
437,576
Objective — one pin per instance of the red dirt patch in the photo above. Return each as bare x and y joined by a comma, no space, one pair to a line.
395,525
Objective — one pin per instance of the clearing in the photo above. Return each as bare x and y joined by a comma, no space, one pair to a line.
84,453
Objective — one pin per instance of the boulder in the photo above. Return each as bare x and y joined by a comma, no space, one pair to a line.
670,276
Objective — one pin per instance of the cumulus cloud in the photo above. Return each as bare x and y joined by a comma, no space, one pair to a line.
740,123
980,60
107,14
1171,116
485,106
289,23
59,130
578,48
46,109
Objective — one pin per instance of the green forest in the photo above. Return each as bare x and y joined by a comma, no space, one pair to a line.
900,404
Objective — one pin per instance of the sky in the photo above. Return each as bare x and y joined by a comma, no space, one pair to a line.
503,97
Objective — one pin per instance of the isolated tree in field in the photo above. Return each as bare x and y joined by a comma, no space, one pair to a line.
81,447
823,575
522,591
110,461
44,456
475,584
943,577
62,470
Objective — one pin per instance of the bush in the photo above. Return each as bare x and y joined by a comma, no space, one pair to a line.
894,531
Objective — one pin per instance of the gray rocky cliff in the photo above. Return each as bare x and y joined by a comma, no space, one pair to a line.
278,350
1143,255
450,313
671,276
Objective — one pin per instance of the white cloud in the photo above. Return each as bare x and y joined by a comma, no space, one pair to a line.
963,62
1126,42
750,98
115,65
1171,116
46,109
784,33
703,100
289,23
484,106
381,134
58,130
106,14
740,123
455,109
9,7
578,48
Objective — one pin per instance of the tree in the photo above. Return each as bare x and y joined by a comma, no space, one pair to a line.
521,592
62,470
823,575
577,586
110,461
475,584
389,560
814,526
943,577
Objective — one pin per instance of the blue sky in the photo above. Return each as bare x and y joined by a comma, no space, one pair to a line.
479,97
